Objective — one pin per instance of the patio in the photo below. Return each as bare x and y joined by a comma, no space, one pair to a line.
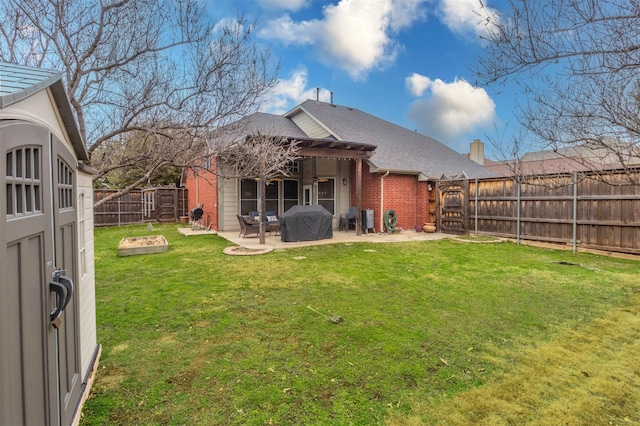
275,242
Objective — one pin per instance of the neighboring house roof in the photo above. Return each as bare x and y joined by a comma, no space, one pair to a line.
399,150
18,82
537,167
572,159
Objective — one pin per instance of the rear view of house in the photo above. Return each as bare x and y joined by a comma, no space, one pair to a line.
348,158
47,300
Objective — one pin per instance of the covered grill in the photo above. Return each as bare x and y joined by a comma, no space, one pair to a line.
306,223
196,217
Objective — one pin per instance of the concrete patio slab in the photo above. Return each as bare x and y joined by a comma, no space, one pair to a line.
253,242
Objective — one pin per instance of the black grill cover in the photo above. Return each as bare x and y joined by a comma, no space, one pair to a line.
306,223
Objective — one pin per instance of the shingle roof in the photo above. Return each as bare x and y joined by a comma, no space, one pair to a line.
398,149
275,125
577,158
18,82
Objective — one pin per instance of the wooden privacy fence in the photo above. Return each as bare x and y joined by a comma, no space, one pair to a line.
586,211
162,204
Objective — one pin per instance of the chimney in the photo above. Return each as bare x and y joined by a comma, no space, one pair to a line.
477,152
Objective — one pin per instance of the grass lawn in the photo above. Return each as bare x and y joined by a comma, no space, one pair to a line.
438,332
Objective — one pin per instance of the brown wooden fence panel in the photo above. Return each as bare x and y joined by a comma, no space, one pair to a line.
124,210
599,212
138,206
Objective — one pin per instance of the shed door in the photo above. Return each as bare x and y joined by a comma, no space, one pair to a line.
39,365
67,334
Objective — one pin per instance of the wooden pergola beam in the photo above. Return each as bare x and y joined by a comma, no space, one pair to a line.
334,153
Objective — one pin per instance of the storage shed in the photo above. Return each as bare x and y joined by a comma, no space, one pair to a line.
47,291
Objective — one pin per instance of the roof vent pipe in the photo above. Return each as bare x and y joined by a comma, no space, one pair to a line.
331,98
317,94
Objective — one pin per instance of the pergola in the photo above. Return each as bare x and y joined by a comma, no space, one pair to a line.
331,148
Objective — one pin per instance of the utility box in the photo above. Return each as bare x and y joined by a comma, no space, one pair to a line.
368,220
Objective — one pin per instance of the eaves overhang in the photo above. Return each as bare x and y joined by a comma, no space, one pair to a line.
331,148
420,175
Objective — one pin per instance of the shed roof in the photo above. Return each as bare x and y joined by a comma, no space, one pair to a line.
18,82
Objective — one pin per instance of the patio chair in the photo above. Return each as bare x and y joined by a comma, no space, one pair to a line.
248,226
351,218
272,222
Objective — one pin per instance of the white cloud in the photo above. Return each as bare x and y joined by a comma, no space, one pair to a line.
417,84
292,5
467,17
292,91
289,32
449,110
353,35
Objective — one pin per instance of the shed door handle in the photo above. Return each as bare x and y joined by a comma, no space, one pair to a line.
63,288
69,286
61,297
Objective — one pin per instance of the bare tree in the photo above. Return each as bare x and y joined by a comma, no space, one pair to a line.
160,69
577,62
257,156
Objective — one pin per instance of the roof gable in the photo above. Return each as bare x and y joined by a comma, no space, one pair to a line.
19,82
310,126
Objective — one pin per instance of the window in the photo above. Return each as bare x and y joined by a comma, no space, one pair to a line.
206,162
81,234
293,167
65,185
23,187
249,196
326,194
290,190
272,197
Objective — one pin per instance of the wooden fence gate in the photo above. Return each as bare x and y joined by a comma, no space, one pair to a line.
453,196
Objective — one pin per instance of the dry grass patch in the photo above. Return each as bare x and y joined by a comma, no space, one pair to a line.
589,375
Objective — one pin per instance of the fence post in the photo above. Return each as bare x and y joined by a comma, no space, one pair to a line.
476,205
518,210
575,212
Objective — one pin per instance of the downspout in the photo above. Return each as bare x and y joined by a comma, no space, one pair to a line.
197,190
382,200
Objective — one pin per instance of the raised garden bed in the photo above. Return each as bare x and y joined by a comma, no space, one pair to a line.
130,246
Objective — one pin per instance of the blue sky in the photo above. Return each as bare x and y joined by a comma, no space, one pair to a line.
406,61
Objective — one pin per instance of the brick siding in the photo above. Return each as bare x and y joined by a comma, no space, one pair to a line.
204,191
403,194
